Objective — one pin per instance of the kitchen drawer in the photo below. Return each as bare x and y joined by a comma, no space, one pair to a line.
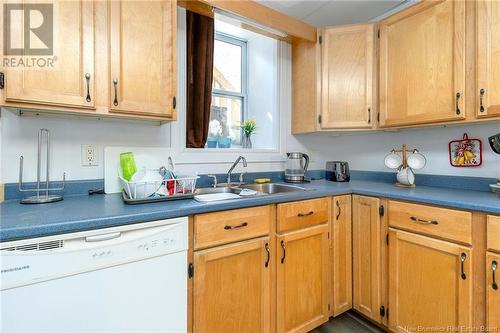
444,223
300,214
493,233
232,225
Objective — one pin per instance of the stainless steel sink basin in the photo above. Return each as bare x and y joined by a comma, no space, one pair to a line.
272,188
214,190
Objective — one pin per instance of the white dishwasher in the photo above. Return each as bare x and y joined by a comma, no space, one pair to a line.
121,279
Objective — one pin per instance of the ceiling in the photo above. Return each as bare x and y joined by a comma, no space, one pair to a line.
335,12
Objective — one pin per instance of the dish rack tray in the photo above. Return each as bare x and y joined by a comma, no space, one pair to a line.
182,187
130,201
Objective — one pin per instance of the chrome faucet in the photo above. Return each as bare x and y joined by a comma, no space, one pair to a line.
240,158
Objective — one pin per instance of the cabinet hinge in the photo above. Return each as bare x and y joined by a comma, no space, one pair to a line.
381,210
190,270
328,235
320,39
378,33
382,311
378,117
328,307
2,80
319,119
387,239
174,102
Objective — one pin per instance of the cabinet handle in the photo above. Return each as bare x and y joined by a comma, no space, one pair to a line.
115,83
268,255
456,102
416,219
284,251
305,214
494,266
339,210
481,95
231,227
369,115
87,77
463,256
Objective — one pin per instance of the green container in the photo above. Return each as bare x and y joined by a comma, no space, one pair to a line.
127,163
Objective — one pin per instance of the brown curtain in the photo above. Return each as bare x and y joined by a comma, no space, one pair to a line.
200,59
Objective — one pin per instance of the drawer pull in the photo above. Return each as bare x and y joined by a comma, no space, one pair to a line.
339,212
231,227
494,266
463,256
416,219
305,214
284,251
268,255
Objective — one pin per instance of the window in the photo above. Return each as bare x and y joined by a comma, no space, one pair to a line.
229,91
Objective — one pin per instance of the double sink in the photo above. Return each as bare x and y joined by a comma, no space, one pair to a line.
244,190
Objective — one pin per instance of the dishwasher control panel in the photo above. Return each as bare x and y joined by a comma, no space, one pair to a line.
88,253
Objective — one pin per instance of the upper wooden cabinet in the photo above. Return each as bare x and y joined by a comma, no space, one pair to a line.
422,64
70,82
430,283
143,71
488,58
348,98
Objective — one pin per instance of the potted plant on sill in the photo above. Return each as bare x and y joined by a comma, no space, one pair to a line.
249,126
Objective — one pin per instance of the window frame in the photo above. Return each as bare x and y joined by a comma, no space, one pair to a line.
243,95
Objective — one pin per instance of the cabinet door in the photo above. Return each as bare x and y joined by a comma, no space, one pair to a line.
430,283
64,83
422,64
366,256
302,282
232,288
488,58
142,57
493,290
341,255
348,99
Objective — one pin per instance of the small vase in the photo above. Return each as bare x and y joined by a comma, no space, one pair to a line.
247,142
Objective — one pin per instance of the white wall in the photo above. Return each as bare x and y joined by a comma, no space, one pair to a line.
367,151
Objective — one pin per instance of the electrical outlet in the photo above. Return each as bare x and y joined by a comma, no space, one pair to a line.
89,155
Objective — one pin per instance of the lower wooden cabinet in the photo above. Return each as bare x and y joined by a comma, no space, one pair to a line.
430,283
341,255
302,279
493,291
366,233
232,288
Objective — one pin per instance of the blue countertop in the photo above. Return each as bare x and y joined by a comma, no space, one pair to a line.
83,212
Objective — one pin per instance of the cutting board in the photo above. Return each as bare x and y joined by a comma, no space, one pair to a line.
148,157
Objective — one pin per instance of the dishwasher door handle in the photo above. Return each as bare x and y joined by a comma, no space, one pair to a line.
103,237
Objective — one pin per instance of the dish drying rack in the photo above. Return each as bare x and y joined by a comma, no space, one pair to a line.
168,189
